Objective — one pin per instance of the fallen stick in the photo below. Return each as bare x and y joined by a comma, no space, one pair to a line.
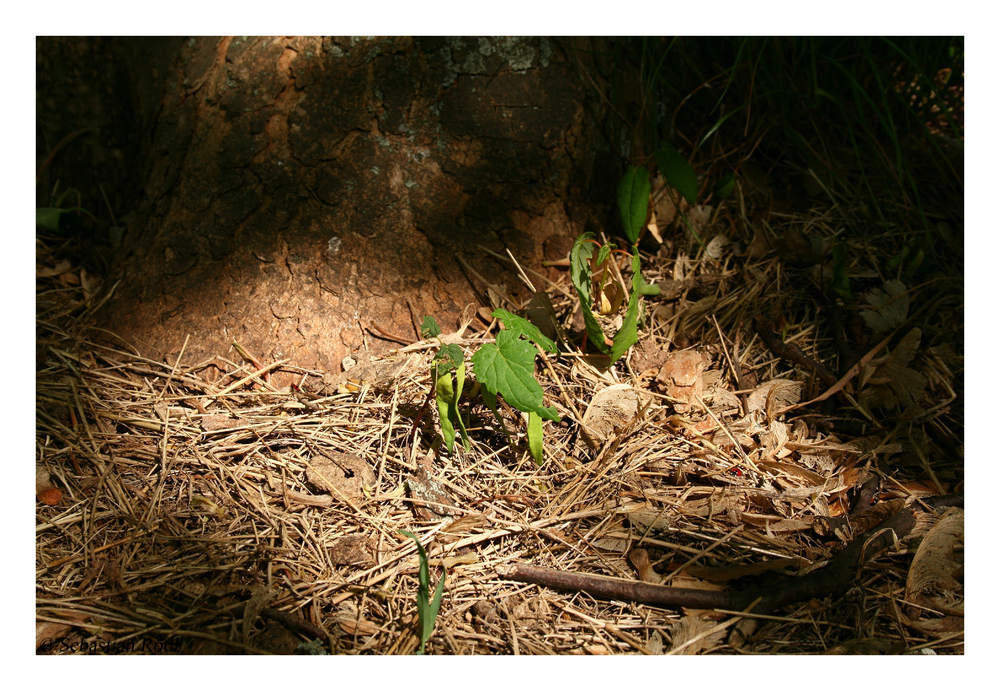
773,591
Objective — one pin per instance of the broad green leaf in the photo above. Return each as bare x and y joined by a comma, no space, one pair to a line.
535,436
521,326
633,201
677,171
507,368
429,328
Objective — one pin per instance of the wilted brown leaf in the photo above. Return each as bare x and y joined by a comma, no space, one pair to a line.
610,411
774,395
682,375
935,582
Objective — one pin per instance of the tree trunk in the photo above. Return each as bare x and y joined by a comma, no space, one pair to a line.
298,195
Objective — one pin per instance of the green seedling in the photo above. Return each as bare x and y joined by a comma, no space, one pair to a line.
590,273
592,299
505,368
449,380
427,606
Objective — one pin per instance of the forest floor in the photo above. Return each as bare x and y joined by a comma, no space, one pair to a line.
796,461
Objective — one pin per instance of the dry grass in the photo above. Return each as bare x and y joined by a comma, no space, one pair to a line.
188,521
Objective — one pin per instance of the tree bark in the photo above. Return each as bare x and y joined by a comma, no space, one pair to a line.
290,194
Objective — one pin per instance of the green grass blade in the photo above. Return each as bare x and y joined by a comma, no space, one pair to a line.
427,608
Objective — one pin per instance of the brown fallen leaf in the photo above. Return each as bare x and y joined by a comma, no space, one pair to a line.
935,583
60,268
640,560
50,496
774,395
611,410
682,376
344,475
694,634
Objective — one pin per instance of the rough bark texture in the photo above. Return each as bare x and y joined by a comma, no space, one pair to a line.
287,193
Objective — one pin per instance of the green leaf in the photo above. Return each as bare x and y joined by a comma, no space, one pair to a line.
523,327
633,201
677,171
603,252
535,436
639,284
579,264
449,358
435,604
579,260
724,188
594,330
48,217
507,368
453,408
628,334
429,328
444,393
489,398
448,391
